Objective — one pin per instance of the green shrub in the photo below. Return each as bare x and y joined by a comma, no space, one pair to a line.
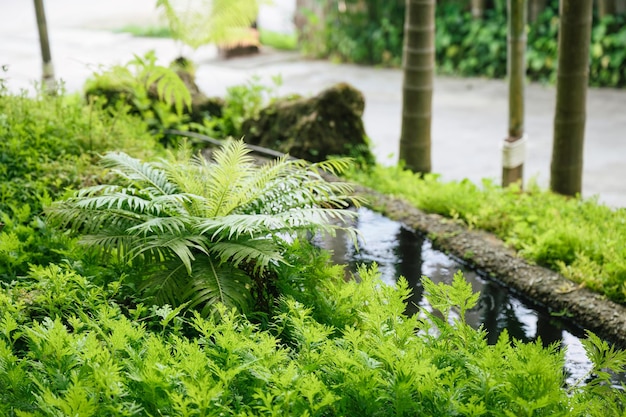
242,102
372,32
205,232
155,93
381,364
581,239
49,145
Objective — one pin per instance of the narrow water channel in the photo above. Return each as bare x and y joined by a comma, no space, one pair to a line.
401,252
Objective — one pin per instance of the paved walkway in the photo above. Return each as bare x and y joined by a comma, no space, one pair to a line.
469,116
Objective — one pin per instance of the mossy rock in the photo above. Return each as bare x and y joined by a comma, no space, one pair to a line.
120,86
315,128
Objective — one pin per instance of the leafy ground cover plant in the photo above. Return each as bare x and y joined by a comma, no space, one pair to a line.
205,232
154,92
241,102
581,239
49,144
101,362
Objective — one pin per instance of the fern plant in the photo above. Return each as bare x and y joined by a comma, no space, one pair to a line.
200,22
153,91
203,232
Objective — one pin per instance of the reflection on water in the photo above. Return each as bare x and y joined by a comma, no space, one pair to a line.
400,252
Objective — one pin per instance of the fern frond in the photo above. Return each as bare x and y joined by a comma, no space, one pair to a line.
215,282
166,283
170,87
235,225
159,225
333,166
139,174
158,246
200,22
261,252
85,220
232,164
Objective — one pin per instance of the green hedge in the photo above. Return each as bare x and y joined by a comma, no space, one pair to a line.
465,46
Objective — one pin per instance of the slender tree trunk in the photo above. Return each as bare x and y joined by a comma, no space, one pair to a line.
48,69
606,7
620,6
513,151
571,96
478,9
535,7
417,87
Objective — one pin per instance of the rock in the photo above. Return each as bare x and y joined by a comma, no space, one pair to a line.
113,89
314,128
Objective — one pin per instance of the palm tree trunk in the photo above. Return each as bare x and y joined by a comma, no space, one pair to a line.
478,9
513,152
535,7
417,87
48,69
571,94
606,7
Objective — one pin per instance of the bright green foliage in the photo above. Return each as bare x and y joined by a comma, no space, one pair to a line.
154,92
102,363
206,232
608,57
48,144
368,34
242,102
200,22
581,239
468,46
278,40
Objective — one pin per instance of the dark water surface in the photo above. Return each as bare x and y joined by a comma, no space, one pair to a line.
399,251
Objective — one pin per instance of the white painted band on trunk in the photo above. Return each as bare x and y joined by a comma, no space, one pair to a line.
48,70
514,153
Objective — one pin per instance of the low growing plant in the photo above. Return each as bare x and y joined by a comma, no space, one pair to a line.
242,102
382,363
49,144
154,92
202,232
581,239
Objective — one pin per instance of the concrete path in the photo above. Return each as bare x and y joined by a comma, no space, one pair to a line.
469,116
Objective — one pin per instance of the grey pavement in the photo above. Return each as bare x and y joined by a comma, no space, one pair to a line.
469,115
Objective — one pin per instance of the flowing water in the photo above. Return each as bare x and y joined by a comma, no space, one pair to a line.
401,252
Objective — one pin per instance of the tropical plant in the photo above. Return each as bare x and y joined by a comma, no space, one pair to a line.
154,92
204,232
49,144
200,22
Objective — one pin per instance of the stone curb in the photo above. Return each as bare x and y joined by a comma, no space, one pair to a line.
488,254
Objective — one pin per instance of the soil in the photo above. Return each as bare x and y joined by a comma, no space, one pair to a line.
489,255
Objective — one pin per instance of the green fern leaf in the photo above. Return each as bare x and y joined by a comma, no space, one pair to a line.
200,22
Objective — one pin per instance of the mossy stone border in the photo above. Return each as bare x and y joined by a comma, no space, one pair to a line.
485,252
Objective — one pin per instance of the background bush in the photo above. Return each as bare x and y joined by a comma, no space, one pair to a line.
373,34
